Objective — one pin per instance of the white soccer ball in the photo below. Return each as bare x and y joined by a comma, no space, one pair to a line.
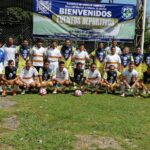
78,93
43,91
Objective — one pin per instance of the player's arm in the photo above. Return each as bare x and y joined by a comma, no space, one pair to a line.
125,81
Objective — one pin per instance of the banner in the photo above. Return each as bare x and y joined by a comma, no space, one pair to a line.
84,21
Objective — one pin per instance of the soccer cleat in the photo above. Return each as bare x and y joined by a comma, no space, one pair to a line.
122,95
3,93
55,91
23,92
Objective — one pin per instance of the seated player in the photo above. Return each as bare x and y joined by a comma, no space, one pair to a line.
129,79
9,78
78,75
28,77
61,77
45,75
93,76
111,79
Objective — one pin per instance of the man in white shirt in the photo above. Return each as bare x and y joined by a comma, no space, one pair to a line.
61,77
81,56
53,55
28,77
10,51
114,44
93,76
37,54
112,59
129,79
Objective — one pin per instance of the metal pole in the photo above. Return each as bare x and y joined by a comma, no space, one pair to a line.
143,27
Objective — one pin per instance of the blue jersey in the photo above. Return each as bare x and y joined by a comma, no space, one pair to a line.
10,73
147,59
24,52
138,58
66,52
2,56
100,54
111,76
125,59
46,74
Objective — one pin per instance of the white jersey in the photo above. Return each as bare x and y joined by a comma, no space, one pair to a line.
80,56
128,75
9,54
118,50
53,54
37,56
93,76
61,75
112,60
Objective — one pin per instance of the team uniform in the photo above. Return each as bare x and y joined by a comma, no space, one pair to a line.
53,56
78,76
10,54
61,75
99,57
112,60
118,50
125,61
146,79
24,55
129,75
2,55
37,55
28,75
67,53
80,56
138,61
94,77
146,63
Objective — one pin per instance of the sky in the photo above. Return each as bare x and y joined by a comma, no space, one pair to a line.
131,2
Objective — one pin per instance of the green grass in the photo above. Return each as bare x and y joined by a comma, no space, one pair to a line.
51,122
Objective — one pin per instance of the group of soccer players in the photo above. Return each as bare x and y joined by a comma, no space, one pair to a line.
27,67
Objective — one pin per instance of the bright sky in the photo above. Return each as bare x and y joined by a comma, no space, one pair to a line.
130,2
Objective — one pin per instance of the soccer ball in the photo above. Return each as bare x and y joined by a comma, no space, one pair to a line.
43,91
78,93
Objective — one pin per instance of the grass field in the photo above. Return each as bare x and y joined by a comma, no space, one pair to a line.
54,122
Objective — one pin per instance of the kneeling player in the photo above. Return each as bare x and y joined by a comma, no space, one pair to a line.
93,76
9,78
111,78
129,79
28,77
45,75
78,75
61,77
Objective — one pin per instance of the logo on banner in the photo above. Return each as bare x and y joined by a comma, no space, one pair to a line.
127,12
44,6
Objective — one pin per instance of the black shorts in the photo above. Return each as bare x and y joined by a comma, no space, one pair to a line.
38,68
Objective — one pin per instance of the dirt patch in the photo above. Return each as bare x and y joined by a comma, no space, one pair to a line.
6,103
4,147
10,123
130,143
90,142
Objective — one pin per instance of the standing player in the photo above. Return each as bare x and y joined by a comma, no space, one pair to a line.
99,56
45,75
10,51
53,55
28,77
23,54
112,59
113,44
111,79
146,63
138,61
37,54
61,77
9,78
80,55
129,79
2,55
126,58
67,51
